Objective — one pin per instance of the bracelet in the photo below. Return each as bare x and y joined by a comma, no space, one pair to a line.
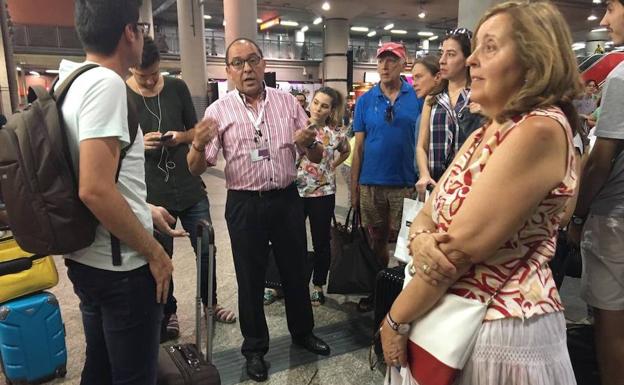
416,233
202,150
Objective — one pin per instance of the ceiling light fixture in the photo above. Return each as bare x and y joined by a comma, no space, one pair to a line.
52,71
389,26
207,17
596,1
577,46
601,29
371,33
425,33
259,21
18,68
592,17
269,23
435,37
289,23
422,15
34,73
318,20
305,28
165,73
359,29
398,31
326,6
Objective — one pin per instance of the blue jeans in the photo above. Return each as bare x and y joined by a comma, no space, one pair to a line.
121,322
189,219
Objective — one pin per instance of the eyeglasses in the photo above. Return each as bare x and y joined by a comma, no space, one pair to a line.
460,31
144,28
239,63
389,114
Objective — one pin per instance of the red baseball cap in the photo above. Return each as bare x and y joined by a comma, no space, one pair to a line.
395,48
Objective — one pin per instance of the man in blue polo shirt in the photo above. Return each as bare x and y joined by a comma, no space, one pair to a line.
382,171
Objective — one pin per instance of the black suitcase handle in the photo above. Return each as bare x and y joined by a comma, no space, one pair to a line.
18,265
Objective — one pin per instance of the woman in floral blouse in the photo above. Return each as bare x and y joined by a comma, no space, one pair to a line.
317,182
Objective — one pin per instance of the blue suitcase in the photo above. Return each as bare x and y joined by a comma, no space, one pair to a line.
32,339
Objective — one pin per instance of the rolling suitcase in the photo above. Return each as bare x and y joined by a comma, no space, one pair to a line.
388,285
32,339
185,364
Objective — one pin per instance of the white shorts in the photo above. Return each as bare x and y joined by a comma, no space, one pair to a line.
602,250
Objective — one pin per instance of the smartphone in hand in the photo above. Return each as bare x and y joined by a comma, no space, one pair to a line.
166,138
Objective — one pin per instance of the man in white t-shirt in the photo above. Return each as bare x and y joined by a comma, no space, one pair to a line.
599,216
121,303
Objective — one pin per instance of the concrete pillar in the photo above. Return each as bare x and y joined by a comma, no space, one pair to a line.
336,39
471,11
8,75
145,15
193,51
240,22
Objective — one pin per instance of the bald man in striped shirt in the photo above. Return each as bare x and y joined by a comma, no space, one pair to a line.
260,131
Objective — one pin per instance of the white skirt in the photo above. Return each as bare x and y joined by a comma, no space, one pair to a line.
513,351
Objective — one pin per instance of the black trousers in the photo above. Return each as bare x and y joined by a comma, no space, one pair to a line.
253,221
320,210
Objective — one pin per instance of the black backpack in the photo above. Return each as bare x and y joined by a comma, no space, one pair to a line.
37,179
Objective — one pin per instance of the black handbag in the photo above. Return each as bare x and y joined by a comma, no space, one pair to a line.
340,234
354,268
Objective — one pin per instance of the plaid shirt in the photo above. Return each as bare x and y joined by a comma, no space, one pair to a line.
443,129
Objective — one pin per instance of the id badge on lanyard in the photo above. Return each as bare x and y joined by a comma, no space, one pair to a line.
261,152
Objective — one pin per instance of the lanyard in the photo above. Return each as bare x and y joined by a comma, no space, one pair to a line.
257,121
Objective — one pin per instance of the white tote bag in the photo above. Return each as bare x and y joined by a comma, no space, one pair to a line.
441,341
411,208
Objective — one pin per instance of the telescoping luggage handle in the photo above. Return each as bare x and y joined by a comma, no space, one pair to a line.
205,233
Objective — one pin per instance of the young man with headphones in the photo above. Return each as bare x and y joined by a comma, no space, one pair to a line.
167,118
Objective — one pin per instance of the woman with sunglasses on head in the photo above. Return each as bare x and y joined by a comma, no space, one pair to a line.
441,133
317,181
489,228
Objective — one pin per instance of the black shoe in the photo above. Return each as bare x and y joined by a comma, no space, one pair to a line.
313,344
257,367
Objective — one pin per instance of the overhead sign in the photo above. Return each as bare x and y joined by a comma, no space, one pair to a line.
269,23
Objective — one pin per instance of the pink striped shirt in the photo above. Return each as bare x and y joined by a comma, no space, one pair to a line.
282,117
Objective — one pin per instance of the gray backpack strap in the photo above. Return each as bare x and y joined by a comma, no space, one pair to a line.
60,93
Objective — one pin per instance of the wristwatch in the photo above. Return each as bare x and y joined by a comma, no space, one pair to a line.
578,220
402,329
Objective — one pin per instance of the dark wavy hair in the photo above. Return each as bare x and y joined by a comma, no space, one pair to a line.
100,23
462,36
150,53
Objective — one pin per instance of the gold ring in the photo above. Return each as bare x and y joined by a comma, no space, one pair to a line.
426,268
